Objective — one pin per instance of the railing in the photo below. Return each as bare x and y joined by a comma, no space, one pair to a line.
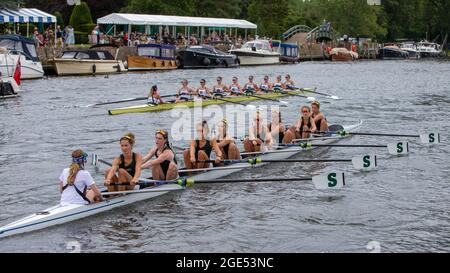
294,30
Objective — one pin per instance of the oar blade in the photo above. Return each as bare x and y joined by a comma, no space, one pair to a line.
335,97
365,162
310,99
398,148
332,180
430,138
94,159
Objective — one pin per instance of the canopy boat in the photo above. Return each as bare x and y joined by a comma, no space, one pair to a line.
153,57
205,56
15,47
289,53
87,62
257,52
200,102
59,214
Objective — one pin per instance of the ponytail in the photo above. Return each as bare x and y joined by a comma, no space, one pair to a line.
78,160
74,168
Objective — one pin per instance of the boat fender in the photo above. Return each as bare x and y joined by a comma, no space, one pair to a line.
94,68
217,61
206,61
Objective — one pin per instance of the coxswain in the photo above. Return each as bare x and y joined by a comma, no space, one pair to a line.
153,96
76,184
127,166
164,166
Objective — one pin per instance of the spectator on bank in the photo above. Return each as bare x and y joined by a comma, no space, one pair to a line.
70,39
59,37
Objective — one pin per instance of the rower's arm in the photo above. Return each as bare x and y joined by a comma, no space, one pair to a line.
149,155
162,157
160,99
224,142
114,168
313,126
137,172
251,134
216,148
192,149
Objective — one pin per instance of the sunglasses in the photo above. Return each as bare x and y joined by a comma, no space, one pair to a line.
305,112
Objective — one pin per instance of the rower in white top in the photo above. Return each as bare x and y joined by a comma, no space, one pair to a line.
185,93
235,89
203,91
219,89
266,86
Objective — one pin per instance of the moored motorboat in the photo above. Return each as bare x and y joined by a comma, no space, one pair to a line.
392,53
205,56
153,57
87,62
8,88
429,50
257,52
59,214
289,53
411,48
15,47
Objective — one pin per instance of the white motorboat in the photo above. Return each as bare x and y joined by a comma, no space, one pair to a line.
15,47
429,49
411,48
62,214
257,52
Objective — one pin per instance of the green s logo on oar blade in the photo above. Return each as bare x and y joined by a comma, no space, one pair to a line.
332,181
366,161
431,138
400,147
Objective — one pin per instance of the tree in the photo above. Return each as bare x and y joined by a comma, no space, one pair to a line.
81,19
166,7
269,15
59,19
9,4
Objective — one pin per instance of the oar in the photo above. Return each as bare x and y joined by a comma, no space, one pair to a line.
323,94
430,137
297,95
123,100
140,191
397,148
365,162
230,101
332,180
283,103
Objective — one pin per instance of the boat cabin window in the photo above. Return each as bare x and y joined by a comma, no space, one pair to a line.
167,53
101,55
149,51
32,49
69,55
9,44
82,55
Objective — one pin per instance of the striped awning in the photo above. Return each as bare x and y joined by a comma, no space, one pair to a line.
25,15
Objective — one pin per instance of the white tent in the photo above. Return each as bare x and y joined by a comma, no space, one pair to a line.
174,21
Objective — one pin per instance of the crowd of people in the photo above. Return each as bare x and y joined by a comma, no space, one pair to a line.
64,38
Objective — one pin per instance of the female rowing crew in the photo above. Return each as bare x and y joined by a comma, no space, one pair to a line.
78,187
186,92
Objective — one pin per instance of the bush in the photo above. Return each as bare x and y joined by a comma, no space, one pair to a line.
86,28
81,37
81,17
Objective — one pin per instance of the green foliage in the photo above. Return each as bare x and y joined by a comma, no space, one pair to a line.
81,37
10,4
269,15
81,18
59,19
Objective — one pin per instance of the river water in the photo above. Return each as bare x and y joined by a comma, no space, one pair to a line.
401,207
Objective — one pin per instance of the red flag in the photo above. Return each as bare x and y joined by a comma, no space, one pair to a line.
17,72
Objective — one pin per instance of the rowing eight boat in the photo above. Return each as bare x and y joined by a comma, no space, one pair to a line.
169,106
62,214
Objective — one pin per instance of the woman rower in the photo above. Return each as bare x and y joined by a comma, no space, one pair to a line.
203,91
76,184
164,167
278,84
201,148
266,86
235,89
127,165
289,84
276,127
259,137
250,86
303,128
226,143
318,117
219,89
185,92
154,97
